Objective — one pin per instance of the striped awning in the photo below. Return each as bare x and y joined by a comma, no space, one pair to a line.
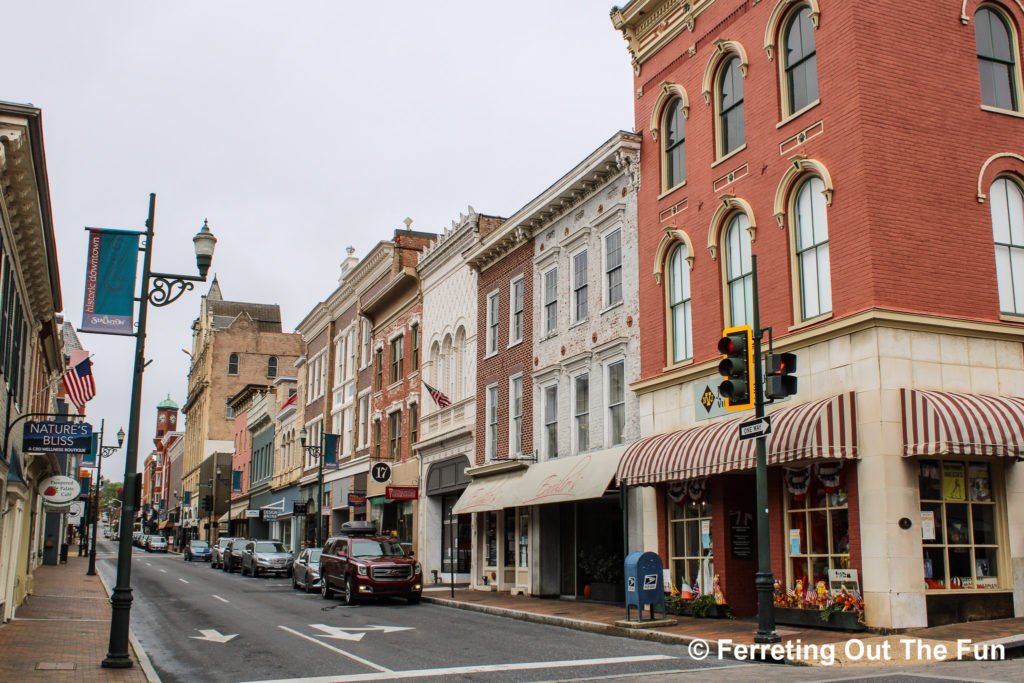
943,423
826,428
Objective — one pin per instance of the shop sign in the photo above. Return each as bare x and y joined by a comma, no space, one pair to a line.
59,489
67,438
356,500
298,508
270,515
402,492
252,513
380,472
838,579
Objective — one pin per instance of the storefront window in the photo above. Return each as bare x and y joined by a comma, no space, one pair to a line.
958,525
491,540
510,537
818,523
524,537
691,556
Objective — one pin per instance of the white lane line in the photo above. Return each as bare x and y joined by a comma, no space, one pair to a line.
148,564
183,580
365,662
163,571
459,670
220,598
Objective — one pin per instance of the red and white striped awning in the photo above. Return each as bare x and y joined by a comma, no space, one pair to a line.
943,423
826,428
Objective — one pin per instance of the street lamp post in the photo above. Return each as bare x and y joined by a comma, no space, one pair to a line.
101,452
166,288
316,452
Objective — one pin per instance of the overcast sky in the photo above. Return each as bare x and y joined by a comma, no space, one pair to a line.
297,129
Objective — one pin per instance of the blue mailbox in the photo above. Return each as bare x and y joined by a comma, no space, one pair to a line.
644,583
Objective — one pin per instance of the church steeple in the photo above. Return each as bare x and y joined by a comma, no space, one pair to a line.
214,293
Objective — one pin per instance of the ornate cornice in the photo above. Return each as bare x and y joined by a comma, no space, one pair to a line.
647,25
451,242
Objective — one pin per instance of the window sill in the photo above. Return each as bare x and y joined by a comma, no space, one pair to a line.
1006,112
549,335
394,385
581,321
671,190
810,321
492,354
514,344
1012,317
797,114
675,366
730,155
611,307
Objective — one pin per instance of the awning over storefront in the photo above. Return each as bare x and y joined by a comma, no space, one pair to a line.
166,525
490,493
554,481
826,428
943,423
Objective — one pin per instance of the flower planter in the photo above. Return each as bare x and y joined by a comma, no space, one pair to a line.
811,618
607,592
714,611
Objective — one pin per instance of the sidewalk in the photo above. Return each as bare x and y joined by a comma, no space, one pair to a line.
601,617
62,631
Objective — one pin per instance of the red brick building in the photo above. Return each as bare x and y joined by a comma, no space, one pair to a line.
854,150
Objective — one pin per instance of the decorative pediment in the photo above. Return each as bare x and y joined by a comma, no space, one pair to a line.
729,204
800,166
723,49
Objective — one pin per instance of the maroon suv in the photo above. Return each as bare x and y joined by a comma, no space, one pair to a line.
359,564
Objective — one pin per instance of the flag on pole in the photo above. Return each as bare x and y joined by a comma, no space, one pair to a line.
78,379
440,399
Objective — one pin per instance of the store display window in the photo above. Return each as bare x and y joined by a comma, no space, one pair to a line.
958,525
691,557
817,526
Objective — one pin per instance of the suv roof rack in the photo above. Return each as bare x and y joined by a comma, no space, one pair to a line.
359,528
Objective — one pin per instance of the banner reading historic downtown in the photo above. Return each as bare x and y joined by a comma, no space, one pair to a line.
110,281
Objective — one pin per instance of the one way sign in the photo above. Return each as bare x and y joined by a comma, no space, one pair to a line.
751,429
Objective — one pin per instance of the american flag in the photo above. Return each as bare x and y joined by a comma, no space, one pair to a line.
440,399
78,380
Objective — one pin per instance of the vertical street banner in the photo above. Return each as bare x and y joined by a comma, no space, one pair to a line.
330,451
236,481
89,459
110,281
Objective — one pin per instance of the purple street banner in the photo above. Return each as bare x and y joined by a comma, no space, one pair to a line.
110,281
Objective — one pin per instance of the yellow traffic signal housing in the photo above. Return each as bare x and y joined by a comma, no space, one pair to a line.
736,367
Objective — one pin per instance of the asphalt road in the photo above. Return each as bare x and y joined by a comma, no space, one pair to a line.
183,614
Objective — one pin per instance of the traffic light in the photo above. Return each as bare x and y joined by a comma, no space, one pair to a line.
780,382
737,349
206,503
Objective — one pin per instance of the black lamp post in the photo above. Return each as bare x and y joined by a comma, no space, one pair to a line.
101,452
316,452
164,289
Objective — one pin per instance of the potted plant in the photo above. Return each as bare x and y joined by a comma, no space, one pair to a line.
603,572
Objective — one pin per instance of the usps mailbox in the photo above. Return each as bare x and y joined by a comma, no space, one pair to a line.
644,583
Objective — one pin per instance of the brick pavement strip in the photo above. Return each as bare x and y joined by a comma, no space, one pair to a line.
61,633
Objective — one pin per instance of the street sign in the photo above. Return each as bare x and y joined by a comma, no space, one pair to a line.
751,429
380,472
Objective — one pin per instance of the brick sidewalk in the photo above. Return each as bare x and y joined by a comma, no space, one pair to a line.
62,631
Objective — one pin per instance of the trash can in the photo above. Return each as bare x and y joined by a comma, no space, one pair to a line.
63,553
645,583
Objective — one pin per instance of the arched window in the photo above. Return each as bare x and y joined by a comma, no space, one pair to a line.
460,364
739,271
810,225
233,364
1007,200
435,364
800,61
448,360
730,106
272,367
680,327
674,145
996,59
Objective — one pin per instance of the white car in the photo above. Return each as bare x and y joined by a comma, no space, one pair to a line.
156,544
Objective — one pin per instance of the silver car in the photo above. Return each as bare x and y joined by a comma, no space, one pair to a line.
306,570
156,544
265,557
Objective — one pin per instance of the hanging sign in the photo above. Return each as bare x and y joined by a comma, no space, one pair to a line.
298,508
380,472
66,438
356,500
59,489
402,492
110,281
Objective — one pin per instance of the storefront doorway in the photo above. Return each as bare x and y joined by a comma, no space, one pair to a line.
456,537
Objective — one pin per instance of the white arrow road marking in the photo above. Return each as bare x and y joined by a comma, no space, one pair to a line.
220,598
336,632
183,580
213,635
351,656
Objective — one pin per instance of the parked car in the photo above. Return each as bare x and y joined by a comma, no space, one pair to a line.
360,564
232,555
137,538
306,570
217,551
156,544
197,550
265,557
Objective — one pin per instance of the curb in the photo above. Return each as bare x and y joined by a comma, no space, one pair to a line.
140,654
